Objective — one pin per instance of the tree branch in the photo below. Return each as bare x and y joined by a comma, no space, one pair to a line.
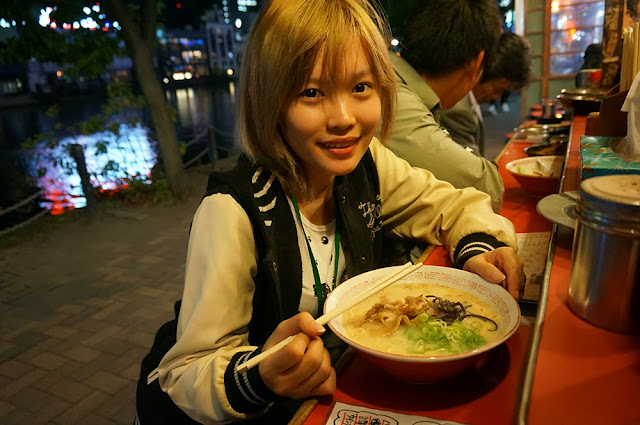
148,19
117,10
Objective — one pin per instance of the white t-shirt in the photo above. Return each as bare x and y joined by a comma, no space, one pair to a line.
322,241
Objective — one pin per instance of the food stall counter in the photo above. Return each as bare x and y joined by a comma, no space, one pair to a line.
577,373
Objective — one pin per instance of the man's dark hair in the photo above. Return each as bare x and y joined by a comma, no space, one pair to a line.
444,35
512,60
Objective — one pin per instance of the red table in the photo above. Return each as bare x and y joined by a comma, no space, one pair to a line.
579,374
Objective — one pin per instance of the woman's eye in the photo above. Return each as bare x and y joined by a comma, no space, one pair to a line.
311,93
360,88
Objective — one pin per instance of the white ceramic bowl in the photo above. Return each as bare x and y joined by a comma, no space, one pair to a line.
538,175
413,368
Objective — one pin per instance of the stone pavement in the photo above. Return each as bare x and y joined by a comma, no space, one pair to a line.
79,306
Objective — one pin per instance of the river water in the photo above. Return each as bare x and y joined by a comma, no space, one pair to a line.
135,153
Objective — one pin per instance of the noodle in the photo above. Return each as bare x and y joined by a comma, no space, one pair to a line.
419,333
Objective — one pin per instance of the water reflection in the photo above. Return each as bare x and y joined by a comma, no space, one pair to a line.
130,154
197,108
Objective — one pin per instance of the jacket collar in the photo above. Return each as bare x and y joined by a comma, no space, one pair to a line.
414,81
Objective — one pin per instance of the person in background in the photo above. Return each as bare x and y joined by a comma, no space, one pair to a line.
303,210
445,45
509,69
501,104
592,58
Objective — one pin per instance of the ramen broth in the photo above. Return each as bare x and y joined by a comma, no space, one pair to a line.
425,335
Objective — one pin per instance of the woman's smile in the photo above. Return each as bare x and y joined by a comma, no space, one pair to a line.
340,147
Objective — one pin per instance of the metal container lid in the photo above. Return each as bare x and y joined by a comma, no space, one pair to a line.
616,188
611,202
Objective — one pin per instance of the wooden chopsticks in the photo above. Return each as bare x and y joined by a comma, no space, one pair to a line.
326,318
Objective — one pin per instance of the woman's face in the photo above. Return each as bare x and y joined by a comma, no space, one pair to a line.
329,127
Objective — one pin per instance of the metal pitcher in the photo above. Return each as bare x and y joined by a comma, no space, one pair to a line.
604,286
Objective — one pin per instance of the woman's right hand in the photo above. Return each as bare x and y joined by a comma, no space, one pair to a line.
303,367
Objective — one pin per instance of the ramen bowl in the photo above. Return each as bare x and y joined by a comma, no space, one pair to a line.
538,175
418,368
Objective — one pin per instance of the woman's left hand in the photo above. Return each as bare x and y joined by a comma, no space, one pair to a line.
501,266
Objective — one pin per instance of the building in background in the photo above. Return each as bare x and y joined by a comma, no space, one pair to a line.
222,42
241,14
182,55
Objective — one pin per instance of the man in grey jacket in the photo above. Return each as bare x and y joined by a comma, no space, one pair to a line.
445,45
508,70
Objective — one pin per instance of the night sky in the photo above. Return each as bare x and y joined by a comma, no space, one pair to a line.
178,14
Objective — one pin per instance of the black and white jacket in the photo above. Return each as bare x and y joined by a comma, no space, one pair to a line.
243,271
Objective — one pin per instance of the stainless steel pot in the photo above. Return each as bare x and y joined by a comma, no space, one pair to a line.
604,286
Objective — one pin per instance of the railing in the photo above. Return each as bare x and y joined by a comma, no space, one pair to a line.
77,152
212,146
18,205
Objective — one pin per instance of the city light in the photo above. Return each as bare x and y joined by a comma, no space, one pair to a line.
394,42
44,20
238,23
229,72
88,22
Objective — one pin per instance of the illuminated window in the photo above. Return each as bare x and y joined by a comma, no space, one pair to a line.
574,26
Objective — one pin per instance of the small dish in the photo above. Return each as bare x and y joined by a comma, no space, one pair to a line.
558,147
559,208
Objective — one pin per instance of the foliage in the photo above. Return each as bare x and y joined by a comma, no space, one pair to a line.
123,106
138,191
87,52
81,52
398,12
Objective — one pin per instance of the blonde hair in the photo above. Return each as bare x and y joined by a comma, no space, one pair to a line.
286,40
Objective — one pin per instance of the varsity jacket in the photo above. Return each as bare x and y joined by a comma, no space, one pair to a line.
243,272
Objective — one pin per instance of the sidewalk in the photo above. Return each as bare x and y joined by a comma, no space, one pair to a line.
79,307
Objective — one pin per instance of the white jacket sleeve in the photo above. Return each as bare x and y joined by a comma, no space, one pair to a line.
215,312
416,205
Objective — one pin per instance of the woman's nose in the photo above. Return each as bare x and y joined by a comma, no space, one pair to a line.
340,114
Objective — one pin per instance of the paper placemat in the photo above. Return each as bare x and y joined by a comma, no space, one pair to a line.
351,414
532,249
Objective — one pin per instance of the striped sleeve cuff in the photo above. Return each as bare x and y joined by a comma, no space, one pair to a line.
474,244
247,392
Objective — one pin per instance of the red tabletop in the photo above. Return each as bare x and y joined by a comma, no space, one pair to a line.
583,374
483,396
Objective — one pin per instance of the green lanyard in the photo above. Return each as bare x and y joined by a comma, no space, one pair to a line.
316,275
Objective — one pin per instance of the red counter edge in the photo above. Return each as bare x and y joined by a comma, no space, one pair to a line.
524,399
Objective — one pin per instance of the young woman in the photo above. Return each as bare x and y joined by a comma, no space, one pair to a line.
305,210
